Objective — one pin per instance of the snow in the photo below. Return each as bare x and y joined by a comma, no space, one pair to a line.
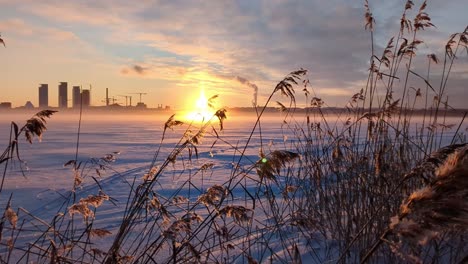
45,183
40,182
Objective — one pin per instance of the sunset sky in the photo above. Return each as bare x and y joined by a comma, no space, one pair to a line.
169,49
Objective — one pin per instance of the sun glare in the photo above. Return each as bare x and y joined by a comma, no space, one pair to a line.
201,112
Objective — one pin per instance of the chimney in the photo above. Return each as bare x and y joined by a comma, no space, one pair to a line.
107,96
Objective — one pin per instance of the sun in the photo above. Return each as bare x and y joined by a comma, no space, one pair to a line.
201,111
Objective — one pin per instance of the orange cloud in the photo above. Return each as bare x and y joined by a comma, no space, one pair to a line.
16,26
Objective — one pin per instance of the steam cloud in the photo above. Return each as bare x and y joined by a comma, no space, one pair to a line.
246,82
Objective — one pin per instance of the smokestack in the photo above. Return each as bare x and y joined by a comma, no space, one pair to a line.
255,95
107,96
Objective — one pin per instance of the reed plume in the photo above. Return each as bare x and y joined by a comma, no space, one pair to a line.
438,207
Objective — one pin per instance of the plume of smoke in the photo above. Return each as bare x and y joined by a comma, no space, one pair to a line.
246,82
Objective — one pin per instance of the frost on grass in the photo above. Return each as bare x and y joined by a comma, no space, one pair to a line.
240,214
438,207
83,206
271,165
12,217
213,196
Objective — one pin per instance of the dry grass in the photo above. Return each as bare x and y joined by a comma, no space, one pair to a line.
437,208
340,185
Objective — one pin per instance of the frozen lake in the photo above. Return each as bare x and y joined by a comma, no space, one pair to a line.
40,183
136,138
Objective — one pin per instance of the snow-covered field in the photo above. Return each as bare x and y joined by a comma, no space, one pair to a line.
40,183
134,138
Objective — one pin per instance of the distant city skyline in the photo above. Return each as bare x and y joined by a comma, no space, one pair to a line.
236,49
80,97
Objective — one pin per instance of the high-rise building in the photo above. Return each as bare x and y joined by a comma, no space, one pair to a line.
44,95
76,93
63,95
86,97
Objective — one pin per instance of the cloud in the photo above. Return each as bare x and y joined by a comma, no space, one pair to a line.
258,40
19,26
138,69
102,13
135,69
264,40
169,69
60,35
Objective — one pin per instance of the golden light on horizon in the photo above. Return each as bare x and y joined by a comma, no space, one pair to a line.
201,111
202,102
